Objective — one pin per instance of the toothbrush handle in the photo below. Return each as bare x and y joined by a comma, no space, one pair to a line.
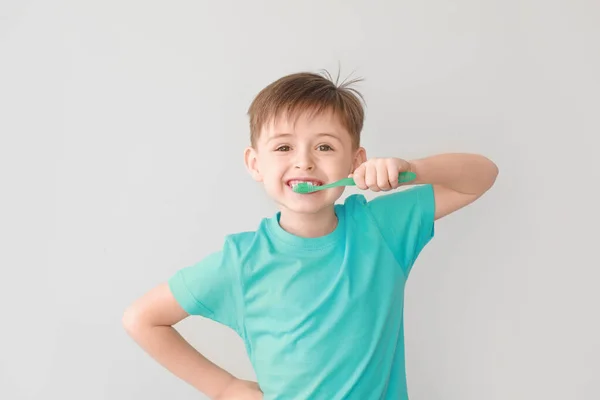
406,176
345,182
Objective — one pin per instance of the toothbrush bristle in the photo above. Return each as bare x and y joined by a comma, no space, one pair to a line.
304,187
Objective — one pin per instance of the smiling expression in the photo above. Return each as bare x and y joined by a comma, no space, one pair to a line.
312,148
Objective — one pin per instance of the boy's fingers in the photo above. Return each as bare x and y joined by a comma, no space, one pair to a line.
371,178
383,179
393,177
359,177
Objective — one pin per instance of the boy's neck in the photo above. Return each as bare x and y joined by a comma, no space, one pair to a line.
309,225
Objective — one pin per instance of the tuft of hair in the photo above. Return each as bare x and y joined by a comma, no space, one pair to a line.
306,92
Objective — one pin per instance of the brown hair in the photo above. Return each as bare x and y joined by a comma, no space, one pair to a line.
301,92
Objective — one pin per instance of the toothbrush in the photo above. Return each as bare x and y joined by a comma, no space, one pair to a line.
307,187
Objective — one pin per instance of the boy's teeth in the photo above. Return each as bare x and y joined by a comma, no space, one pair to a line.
295,183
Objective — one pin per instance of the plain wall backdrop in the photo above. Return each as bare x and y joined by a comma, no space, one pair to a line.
122,132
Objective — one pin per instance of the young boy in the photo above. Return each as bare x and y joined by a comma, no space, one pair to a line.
316,292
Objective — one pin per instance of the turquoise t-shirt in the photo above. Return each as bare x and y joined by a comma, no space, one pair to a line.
321,318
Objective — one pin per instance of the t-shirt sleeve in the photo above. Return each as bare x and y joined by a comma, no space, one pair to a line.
211,287
406,221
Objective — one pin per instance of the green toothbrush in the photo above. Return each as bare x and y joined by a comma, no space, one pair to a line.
307,187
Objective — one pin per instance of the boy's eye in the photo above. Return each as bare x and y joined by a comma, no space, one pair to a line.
283,148
325,147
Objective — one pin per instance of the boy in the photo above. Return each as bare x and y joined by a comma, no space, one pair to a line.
316,292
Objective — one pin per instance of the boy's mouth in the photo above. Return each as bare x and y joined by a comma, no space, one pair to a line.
294,182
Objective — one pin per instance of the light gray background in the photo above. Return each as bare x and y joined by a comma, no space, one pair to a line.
123,125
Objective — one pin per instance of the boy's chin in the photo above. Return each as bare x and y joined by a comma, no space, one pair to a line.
309,207
306,206
305,203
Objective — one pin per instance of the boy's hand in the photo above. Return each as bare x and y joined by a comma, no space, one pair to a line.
240,389
380,173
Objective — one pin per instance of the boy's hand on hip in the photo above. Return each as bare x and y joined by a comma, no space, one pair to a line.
240,389
380,174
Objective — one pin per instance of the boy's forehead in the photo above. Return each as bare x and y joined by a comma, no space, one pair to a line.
304,123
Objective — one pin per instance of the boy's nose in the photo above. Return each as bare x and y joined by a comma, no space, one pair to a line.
304,161
305,166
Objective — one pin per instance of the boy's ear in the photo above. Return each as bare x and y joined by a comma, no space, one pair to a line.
359,158
251,161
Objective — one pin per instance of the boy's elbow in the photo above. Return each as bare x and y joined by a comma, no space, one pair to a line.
495,170
158,307
131,320
492,174
135,320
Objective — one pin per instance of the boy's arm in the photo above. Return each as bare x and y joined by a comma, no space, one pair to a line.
149,322
457,179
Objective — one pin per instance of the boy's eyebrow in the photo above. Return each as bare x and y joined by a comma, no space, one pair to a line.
279,136
283,134
331,135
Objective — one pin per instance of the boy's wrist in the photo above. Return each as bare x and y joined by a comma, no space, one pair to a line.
414,167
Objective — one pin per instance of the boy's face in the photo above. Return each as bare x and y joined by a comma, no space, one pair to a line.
316,148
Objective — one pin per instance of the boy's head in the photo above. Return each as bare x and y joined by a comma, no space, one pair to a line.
297,94
304,127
